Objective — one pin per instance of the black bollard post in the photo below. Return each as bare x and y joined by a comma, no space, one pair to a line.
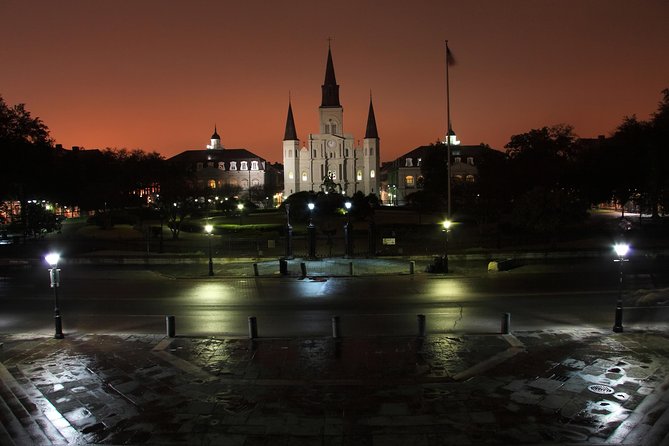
506,323
171,329
283,267
303,268
412,266
618,325
255,269
421,325
350,268
335,327
253,327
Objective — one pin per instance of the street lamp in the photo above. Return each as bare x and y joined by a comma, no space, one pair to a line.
208,228
289,234
240,208
447,225
311,230
54,274
621,250
348,231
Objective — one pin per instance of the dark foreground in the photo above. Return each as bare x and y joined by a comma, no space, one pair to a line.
582,386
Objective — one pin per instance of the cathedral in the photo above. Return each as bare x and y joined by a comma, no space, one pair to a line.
329,160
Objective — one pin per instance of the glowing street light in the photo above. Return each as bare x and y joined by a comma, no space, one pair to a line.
54,274
621,250
208,228
240,208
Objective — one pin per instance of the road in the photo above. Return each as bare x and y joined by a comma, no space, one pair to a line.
116,300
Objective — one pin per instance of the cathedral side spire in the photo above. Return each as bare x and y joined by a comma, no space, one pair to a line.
371,131
291,133
330,88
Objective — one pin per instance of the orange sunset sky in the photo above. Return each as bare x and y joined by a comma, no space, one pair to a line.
158,74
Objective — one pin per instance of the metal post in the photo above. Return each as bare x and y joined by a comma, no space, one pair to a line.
289,234
170,324
350,268
412,266
335,327
618,323
283,267
311,230
211,260
253,327
421,325
506,323
303,268
54,274
255,270
348,238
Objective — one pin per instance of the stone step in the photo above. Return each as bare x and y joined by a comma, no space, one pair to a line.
16,418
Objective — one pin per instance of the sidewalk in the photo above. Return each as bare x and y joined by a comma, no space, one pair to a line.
549,387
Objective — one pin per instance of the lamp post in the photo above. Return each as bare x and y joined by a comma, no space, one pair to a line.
240,208
348,231
311,230
447,225
621,250
54,274
208,228
289,234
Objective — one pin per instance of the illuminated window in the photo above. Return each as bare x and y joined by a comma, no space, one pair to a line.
255,182
470,178
470,160
221,165
233,165
212,184
359,175
408,162
409,180
254,165
372,174
245,184
458,178
420,161
304,177
290,175
244,165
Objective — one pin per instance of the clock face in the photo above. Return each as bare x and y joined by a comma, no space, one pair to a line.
332,143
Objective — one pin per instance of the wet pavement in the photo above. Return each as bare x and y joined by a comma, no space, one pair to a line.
549,387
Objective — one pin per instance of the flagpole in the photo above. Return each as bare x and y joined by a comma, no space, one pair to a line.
448,132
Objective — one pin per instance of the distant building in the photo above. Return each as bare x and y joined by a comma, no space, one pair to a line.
403,176
331,153
218,168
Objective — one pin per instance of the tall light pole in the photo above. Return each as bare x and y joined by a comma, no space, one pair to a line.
311,230
348,231
447,226
208,228
621,250
54,274
289,234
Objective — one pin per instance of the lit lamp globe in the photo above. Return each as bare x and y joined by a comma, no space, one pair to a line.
621,249
447,224
52,259
208,228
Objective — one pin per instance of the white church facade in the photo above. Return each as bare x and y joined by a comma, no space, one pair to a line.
331,153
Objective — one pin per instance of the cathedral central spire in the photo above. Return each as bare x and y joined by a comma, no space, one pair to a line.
330,88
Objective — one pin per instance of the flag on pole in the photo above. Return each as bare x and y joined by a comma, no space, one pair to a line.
450,60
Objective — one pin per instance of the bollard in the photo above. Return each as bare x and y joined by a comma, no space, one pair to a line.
335,327
171,329
350,268
506,323
253,327
421,325
303,268
618,325
255,270
412,266
283,267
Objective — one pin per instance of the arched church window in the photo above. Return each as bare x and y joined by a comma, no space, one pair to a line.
359,175
304,176
470,178
408,180
212,184
372,174
291,175
245,184
371,151
255,182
